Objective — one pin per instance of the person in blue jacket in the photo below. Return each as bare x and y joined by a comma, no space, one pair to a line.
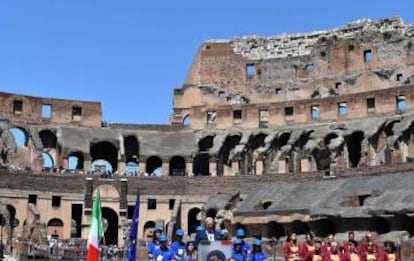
237,252
209,232
154,244
178,246
257,253
163,253
241,234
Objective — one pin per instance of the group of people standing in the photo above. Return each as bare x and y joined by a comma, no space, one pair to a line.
311,250
181,250
330,250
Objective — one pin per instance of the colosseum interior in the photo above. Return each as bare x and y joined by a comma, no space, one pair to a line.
291,133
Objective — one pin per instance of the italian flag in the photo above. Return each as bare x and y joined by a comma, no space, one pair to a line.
95,231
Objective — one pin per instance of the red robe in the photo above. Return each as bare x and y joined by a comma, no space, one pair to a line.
329,256
351,256
390,256
306,252
292,251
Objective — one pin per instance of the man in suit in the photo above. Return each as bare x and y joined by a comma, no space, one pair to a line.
209,232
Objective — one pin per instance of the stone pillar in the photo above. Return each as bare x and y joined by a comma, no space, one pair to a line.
259,167
165,168
234,171
65,163
304,165
213,167
87,164
282,166
142,168
189,169
121,168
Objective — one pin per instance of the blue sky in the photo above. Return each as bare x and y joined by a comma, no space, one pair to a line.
131,54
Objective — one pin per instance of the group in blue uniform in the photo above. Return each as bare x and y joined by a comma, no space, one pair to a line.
158,249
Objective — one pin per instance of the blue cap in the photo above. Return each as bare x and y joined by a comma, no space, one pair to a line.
157,229
199,228
257,242
238,242
179,232
240,232
163,238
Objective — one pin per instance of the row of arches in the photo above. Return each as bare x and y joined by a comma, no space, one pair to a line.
328,226
237,153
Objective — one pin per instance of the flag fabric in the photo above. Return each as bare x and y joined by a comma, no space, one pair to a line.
95,230
132,248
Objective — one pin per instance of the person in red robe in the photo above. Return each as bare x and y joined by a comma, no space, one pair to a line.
307,248
291,249
364,244
351,253
326,247
351,237
390,252
333,254
372,253
317,253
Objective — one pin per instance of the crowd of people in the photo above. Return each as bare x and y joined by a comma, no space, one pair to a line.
181,250
312,249
330,250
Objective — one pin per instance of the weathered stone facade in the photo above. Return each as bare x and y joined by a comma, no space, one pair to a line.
267,115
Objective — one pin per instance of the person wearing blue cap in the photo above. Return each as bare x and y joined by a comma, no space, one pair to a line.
163,253
237,252
241,234
154,244
257,253
178,246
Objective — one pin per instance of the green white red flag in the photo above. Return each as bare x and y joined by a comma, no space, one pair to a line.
95,230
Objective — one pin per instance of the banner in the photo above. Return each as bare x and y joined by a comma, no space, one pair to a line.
214,251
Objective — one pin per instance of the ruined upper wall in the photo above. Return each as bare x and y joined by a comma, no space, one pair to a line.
358,57
35,110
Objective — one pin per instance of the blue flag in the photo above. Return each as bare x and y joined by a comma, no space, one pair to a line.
132,248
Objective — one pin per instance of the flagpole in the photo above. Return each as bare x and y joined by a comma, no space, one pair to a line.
100,206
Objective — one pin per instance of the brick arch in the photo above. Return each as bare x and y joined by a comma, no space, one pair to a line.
55,228
177,166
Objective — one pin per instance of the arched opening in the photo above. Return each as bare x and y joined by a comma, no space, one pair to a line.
187,120
201,164
20,137
132,168
275,229
105,151
177,166
249,156
12,220
49,139
131,146
211,212
55,228
47,162
193,220
154,166
148,226
379,225
224,154
75,161
324,227
102,166
298,227
353,143
110,222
